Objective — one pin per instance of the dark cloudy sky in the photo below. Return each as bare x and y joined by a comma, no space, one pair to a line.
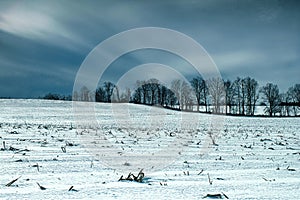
43,43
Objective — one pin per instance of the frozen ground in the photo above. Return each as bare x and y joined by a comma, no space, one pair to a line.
255,158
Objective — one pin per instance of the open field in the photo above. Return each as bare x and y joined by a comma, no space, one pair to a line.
253,158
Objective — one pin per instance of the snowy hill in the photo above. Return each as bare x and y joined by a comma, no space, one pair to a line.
252,158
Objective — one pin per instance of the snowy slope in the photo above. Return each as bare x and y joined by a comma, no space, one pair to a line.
254,158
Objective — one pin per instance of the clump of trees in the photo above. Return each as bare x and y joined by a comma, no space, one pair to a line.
108,92
215,95
152,92
291,100
52,96
241,96
272,98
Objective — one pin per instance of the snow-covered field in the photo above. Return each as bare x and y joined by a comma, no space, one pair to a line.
254,158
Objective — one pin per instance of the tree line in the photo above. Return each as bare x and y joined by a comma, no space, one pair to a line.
215,95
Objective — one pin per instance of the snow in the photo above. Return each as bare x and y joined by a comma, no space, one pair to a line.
255,158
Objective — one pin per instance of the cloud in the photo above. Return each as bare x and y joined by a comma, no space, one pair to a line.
41,42
236,59
24,22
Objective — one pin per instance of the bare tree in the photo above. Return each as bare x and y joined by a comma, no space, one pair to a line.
175,87
280,109
158,99
272,98
238,96
137,96
229,96
100,94
216,91
84,94
183,92
108,88
286,102
125,97
246,95
251,91
186,96
163,95
144,90
243,92
294,98
115,94
255,95
171,98
75,96
201,92
196,84
205,94
152,87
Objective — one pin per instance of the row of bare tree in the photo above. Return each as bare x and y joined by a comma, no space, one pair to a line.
238,97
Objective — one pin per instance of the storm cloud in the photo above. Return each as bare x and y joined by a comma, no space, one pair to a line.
43,43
